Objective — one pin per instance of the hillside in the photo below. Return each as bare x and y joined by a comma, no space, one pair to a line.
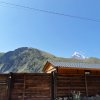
1,54
31,60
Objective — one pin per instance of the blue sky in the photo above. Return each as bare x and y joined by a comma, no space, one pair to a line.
59,35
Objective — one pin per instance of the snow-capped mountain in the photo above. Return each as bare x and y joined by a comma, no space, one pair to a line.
77,55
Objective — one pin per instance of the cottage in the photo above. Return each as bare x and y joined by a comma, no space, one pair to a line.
72,68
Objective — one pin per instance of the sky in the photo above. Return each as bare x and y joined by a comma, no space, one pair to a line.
56,34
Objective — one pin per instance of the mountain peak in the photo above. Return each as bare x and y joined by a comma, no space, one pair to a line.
77,55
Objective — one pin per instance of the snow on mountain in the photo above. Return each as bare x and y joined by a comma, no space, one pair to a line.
77,55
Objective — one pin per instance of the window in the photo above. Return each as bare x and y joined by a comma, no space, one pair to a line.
87,72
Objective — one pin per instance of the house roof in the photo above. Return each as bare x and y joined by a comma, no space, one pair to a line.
75,65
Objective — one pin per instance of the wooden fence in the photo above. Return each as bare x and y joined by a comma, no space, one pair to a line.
3,87
28,86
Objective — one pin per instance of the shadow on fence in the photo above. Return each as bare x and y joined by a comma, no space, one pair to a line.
82,98
78,97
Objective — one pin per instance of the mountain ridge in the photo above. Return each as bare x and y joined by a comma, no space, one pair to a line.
31,60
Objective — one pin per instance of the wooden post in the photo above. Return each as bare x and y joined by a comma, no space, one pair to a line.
24,86
53,86
9,86
86,87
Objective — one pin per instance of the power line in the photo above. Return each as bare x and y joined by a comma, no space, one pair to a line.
50,12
